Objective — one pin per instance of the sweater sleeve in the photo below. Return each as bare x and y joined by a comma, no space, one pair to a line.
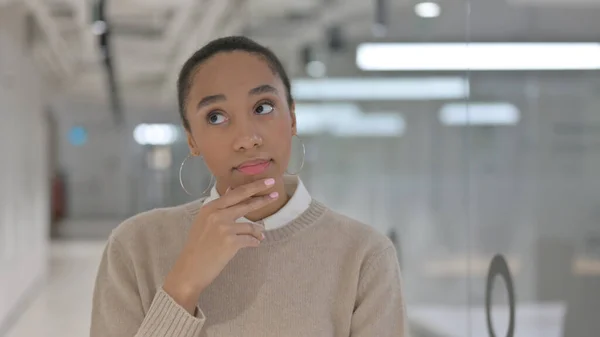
379,309
117,307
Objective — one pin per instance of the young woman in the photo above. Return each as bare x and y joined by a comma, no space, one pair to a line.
259,257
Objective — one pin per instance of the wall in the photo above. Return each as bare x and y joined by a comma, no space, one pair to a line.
24,174
102,173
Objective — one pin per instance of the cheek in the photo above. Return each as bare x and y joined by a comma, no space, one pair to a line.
283,138
283,126
215,162
215,156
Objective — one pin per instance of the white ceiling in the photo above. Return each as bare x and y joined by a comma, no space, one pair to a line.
152,38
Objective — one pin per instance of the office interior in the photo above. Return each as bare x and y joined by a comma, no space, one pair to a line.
468,131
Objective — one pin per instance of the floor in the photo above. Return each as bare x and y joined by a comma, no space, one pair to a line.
62,308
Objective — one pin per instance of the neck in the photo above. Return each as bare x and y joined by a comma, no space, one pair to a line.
273,207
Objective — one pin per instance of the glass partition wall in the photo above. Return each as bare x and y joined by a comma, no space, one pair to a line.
492,197
532,173
515,173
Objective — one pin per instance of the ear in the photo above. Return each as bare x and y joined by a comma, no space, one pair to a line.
293,115
194,150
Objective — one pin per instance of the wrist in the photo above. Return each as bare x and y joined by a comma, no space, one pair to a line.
184,293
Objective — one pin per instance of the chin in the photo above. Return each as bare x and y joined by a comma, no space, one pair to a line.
241,179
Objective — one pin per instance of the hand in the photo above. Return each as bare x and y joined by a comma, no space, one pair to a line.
214,239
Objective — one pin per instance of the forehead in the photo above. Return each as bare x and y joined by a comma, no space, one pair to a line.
226,72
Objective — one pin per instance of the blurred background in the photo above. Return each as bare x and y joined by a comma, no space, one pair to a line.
466,130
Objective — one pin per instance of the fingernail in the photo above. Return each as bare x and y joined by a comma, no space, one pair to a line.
262,235
228,189
269,181
274,195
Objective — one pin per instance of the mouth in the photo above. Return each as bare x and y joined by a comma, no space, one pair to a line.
254,167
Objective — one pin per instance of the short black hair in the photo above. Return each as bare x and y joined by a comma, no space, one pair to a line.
223,45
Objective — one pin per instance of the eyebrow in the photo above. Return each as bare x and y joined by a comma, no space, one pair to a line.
208,100
261,89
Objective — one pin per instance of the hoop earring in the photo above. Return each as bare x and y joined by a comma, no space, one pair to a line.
181,179
303,156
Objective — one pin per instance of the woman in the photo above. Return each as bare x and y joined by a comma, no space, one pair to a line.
258,257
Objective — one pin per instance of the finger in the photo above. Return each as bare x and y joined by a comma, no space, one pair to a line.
241,193
247,228
254,203
244,241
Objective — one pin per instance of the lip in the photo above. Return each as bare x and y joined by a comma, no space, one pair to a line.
254,167
253,162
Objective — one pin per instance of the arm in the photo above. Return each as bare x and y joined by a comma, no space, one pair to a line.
117,309
379,309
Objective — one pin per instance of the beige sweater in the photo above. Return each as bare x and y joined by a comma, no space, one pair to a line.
321,275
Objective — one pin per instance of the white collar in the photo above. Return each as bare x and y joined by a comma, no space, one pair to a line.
299,202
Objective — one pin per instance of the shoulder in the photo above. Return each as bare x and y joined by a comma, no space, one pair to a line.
364,239
156,225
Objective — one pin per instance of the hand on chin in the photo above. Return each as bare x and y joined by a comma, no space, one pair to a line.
248,180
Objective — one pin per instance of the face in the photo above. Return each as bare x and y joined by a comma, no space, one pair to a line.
239,118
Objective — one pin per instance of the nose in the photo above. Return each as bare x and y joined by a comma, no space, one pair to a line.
248,138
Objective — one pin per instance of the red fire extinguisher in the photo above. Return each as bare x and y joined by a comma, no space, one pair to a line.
58,198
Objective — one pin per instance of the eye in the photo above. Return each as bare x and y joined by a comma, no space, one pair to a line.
216,118
264,108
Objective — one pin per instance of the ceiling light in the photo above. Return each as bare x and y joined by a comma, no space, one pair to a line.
346,120
316,69
477,56
155,134
371,125
372,89
99,27
428,9
473,114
